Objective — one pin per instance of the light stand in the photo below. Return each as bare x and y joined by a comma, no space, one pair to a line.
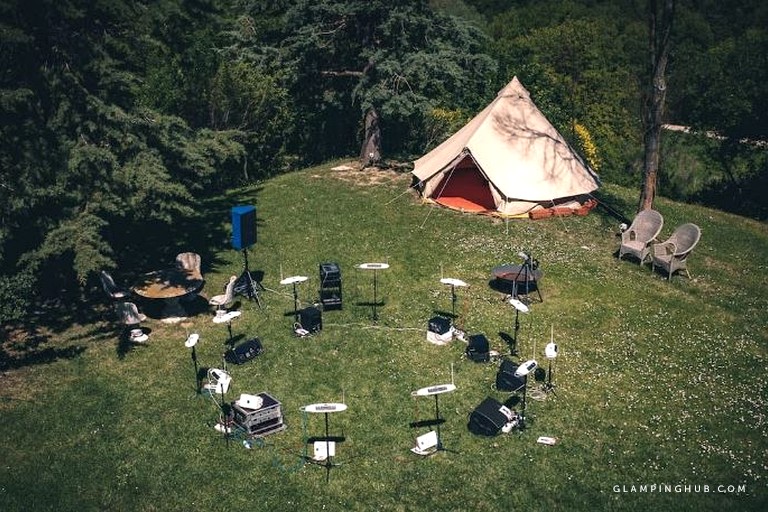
438,420
226,409
550,352
375,267
519,307
522,372
436,391
227,318
190,343
453,284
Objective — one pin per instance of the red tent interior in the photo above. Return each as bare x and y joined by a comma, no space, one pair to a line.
465,188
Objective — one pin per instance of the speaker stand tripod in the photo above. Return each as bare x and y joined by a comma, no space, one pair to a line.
246,284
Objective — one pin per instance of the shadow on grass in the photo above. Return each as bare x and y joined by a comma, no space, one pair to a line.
613,208
152,245
510,341
46,355
34,341
126,345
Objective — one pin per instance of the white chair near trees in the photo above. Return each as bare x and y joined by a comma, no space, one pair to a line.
113,291
221,301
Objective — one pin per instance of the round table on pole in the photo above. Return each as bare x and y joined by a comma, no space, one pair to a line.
375,267
168,285
436,391
453,283
226,318
326,408
293,280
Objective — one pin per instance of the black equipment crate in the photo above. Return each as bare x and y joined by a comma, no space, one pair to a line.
255,421
477,349
269,427
439,325
330,286
311,319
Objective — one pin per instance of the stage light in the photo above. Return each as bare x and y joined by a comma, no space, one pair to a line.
526,368
550,351
192,340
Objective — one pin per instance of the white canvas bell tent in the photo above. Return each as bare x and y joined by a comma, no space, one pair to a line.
508,161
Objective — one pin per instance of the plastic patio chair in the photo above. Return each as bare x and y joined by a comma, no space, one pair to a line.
110,288
220,301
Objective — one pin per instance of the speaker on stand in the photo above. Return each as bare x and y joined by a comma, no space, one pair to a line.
244,236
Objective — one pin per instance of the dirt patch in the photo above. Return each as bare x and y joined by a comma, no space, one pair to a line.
352,173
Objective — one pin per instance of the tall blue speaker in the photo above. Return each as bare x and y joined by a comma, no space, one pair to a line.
243,226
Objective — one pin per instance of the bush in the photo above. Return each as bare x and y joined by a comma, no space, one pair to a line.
15,296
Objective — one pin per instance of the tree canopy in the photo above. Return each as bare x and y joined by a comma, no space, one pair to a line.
120,116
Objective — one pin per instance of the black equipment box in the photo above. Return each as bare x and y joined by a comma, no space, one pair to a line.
506,379
487,418
439,325
267,419
330,273
477,349
311,319
330,286
244,352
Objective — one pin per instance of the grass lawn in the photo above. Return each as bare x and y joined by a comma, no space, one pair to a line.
657,383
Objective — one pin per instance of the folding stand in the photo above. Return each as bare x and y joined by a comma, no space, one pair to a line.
528,273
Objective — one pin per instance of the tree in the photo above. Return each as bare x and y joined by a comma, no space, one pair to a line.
392,61
659,32
83,162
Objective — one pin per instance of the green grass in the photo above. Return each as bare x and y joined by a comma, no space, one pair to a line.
657,382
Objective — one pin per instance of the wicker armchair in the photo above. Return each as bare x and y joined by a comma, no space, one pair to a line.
672,254
637,238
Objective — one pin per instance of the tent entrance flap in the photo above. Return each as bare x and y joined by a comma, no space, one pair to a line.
465,188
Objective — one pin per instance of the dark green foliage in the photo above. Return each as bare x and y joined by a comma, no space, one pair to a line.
83,157
15,296
118,118
401,58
